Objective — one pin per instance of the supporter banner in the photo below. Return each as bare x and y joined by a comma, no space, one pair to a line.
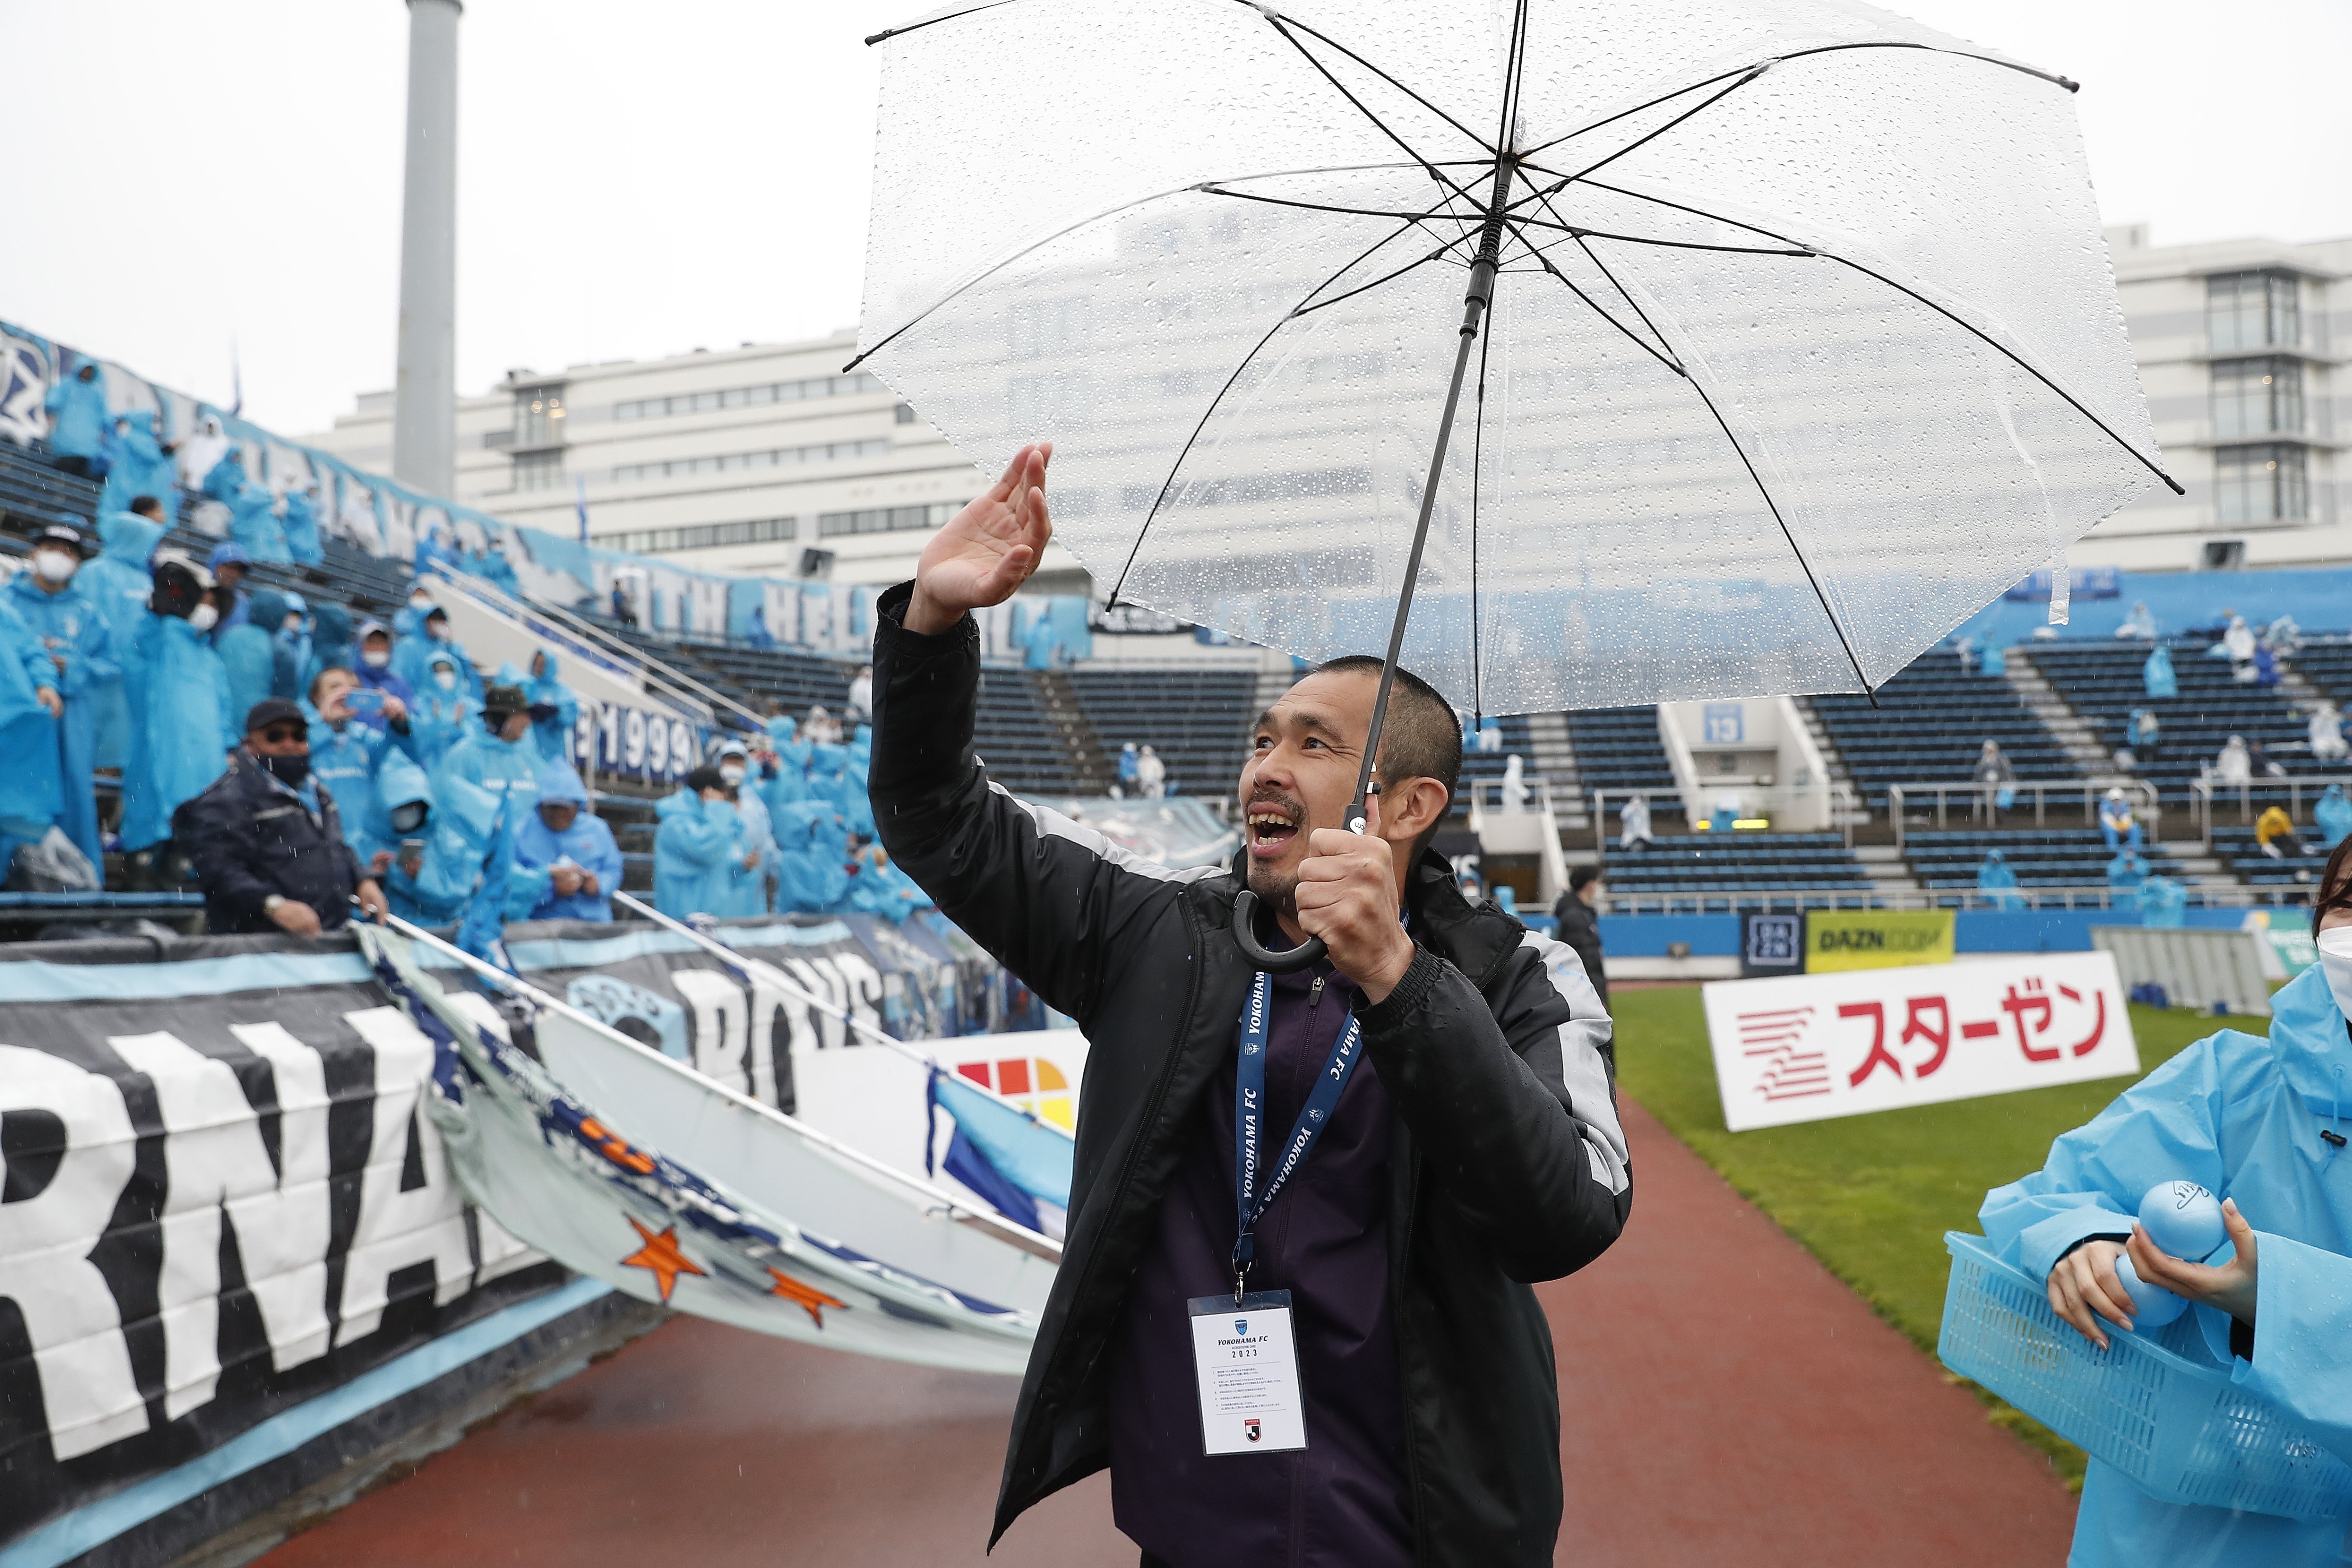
222,1198
1810,1047
1875,939
648,744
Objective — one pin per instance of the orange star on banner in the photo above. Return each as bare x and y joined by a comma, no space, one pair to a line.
661,1254
810,1297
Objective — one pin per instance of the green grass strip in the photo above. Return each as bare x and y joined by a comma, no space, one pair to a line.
1871,1196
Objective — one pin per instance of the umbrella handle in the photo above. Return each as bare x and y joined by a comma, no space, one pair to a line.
1311,951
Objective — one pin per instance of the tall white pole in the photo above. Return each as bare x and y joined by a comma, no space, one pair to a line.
424,402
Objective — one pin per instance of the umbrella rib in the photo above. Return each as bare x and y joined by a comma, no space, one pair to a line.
1414,153
1632,336
1484,145
1798,55
1794,548
1959,321
1701,106
1384,278
1207,414
1669,361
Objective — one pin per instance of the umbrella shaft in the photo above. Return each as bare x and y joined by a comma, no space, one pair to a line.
1482,287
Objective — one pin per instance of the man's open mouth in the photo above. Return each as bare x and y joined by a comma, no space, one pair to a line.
1271,828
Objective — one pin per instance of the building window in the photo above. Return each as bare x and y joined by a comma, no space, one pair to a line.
904,413
2259,484
2252,310
2257,397
732,462
855,384
886,519
2223,555
537,470
537,415
702,536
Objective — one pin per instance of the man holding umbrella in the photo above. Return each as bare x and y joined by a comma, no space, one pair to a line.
1369,1158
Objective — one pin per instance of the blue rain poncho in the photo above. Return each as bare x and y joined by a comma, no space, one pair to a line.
496,568
413,894
441,718
291,646
118,582
71,624
1038,644
543,690
31,795
468,823
413,657
793,752
253,524
2333,816
1995,877
698,854
78,420
780,784
2242,1116
812,876
2163,902
385,679
507,769
226,478
301,527
587,844
331,643
346,759
750,895
181,728
2140,622
2156,677
880,889
2126,873
137,466
251,660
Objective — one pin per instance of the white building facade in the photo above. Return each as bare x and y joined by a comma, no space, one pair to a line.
2239,342
770,459
764,459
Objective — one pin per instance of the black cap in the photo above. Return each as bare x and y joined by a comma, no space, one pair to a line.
705,778
273,710
505,699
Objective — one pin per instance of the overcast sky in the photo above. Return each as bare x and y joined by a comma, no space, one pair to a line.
637,180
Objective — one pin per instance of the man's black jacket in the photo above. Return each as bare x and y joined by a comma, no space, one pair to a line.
1579,930
248,839
1507,1164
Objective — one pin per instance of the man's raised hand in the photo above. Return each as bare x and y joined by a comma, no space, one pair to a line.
987,550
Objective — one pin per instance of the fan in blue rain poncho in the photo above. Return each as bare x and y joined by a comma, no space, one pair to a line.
2126,873
403,800
554,707
331,642
289,640
2260,1122
300,526
72,628
412,660
346,755
136,465
879,887
29,794
811,870
2333,816
565,859
78,421
856,804
444,713
496,754
119,583
2156,677
252,508
748,896
181,725
1998,879
698,849
250,652
493,567
377,668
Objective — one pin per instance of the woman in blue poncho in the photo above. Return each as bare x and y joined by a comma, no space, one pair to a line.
2263,1123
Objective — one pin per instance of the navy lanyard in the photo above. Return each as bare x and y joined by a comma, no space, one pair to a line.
1249,1118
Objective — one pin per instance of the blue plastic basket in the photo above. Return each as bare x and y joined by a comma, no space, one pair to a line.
2177,1426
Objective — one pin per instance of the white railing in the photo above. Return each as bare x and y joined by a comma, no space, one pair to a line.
1846,807
2257,792
2208,895
1977,801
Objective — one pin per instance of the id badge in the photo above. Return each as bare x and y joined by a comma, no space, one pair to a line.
1247,1364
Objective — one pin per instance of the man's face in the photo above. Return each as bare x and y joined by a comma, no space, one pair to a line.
558,815
230,574
334,687
279,737
1301,775
516,726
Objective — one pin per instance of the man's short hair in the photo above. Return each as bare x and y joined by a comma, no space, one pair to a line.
1582,877
1420,738
319,680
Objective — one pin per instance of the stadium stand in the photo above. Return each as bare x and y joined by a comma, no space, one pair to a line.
2102,682
1708,873
1930,723
1195,721
2236,850
1619,748
2329,667
2040,857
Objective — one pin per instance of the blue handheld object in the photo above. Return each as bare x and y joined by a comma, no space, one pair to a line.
2184,1219
2153,1306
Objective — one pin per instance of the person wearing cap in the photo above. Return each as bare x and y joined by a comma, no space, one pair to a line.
183,723
73,631
700,857
377,668
266,836
2115,820
566,853
748,896
227,563
496,756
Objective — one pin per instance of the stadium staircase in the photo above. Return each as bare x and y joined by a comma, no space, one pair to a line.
2102,682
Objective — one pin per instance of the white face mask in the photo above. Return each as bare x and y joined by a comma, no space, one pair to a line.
376,658
732,773
420,604
55,565
2335,957
447,679
203,617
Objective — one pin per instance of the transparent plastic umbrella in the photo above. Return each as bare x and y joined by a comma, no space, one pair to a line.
1579,355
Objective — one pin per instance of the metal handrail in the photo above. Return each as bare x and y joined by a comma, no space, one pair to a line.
2146,806
1845,806
2224,895
2201,792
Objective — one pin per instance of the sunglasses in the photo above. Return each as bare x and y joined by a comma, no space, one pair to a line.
279,734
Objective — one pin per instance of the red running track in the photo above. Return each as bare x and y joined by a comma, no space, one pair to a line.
1726,1404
